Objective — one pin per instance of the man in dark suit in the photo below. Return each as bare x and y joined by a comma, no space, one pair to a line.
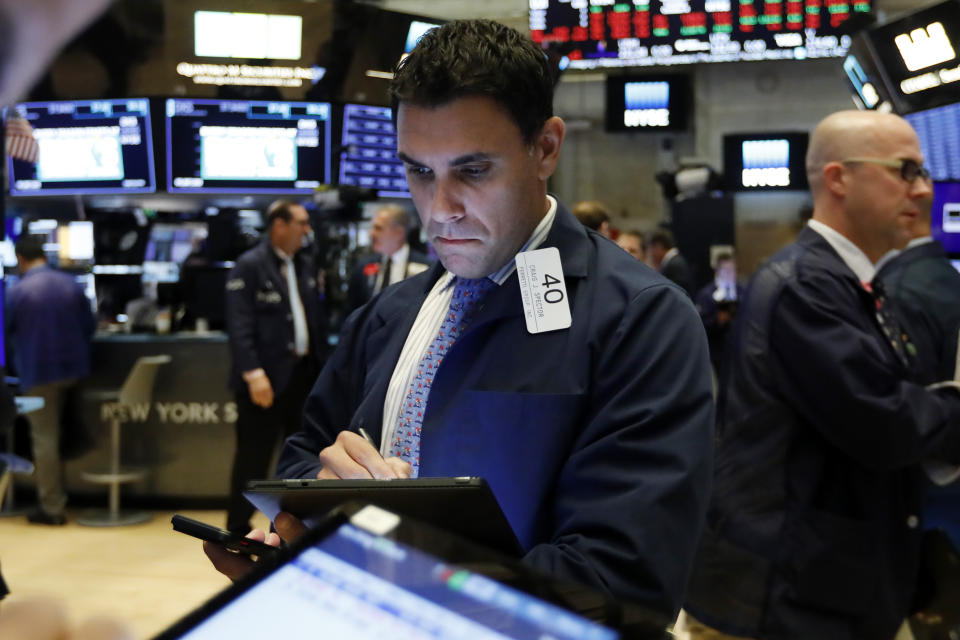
50,324
393,261
594,433
666,258
717,305
277,343
814,526
925,291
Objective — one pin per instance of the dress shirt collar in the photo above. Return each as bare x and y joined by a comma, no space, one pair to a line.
668,256
852,256
400,255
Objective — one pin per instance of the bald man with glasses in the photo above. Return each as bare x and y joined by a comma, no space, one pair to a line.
815,521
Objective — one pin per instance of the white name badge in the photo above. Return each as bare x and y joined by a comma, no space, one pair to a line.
542,290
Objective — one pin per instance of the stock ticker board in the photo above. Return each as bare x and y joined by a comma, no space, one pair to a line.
592,34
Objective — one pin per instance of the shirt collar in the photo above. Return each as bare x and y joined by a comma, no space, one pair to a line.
280,253
536,239
668,256
852,256
400,255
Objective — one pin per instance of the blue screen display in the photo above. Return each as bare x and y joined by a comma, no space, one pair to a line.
369,151
86,146
246,146
357,585
939,133
945,216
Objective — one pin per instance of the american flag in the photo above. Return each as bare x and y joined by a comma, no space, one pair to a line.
21,144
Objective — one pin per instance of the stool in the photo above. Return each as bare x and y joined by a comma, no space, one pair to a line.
136,389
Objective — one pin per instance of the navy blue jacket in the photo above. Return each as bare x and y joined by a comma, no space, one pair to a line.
50,322
596,440
925,291
815,524
259,320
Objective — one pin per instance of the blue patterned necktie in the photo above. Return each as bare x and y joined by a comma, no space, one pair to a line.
466,298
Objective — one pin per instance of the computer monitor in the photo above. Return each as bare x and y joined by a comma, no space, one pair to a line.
939,132
86,146
169,242
945,216
368,156
67,244
765,161
247,146
647,103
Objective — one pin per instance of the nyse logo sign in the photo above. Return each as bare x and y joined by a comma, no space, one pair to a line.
171,412
924,48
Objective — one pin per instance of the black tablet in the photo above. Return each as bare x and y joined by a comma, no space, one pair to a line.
464,506
364,573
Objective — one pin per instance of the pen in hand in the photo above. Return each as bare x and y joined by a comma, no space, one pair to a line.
366,436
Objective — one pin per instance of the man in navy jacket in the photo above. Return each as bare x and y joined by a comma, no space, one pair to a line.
596,438
50,323
814,524
277,342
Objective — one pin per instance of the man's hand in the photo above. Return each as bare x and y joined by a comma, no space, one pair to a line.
261,391
351,457
235,565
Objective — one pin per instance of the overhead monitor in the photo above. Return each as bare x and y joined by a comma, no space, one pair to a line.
368,156
603,34
66,243
765,161
920,56
939,132
247,146
647,103
86,146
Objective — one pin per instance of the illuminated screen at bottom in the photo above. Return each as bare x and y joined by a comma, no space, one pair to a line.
356,585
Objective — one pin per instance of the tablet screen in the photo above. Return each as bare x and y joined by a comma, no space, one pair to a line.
353,584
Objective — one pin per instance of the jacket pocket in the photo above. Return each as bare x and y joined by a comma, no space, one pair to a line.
832,562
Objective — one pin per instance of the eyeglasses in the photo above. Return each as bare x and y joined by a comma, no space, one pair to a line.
910,170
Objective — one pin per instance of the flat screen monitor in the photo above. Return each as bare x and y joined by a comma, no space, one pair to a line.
945,216
939,132
765,161
247,146
86,146
170,242
368,156
596,34
920,56
66,243
647,103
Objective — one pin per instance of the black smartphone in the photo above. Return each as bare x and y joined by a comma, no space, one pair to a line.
222,537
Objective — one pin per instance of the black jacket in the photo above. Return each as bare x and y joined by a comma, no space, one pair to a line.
814,526
925,291
259,320
363,278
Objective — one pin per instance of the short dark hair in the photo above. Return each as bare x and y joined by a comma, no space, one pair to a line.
467,58
280,209
636,234
30,247
591,214
664,238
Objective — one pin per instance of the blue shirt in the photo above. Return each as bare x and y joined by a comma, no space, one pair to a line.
49,323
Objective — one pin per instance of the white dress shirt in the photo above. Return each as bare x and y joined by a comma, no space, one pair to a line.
427,324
